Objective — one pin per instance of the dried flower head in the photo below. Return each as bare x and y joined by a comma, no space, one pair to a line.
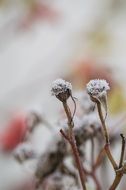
61,89
97,87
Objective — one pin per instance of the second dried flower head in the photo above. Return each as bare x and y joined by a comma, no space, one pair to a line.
97,87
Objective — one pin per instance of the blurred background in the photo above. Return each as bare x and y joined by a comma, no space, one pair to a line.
41,40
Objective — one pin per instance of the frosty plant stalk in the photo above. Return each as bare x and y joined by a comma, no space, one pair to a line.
63,90
97,89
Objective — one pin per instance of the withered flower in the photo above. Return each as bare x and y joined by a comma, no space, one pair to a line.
61,89
97,89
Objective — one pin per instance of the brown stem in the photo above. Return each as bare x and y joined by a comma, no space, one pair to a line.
107,146
110,157
68,114
116,182
92,152
78,161
99,158
103,122
122,150
119,175
64,135
98,186
72,141
108,152
94,177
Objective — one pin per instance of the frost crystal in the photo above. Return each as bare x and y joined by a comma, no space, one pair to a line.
60,86
97,87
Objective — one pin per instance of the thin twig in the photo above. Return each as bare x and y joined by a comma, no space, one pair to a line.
103,122
92,151
71,139
122,150
73,99
93,176
64,135
99,158
98,186
116,182
119,172
110,157
107,145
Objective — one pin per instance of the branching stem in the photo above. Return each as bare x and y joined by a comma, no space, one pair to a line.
72,141
118,169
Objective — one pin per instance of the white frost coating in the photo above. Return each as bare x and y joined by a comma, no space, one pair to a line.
60,86
97,87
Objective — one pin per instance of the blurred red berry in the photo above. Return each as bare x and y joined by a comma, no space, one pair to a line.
14,133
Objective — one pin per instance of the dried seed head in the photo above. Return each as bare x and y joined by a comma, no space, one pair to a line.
61,89
97,87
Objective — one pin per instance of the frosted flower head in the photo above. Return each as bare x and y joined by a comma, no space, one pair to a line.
61,89
97,87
